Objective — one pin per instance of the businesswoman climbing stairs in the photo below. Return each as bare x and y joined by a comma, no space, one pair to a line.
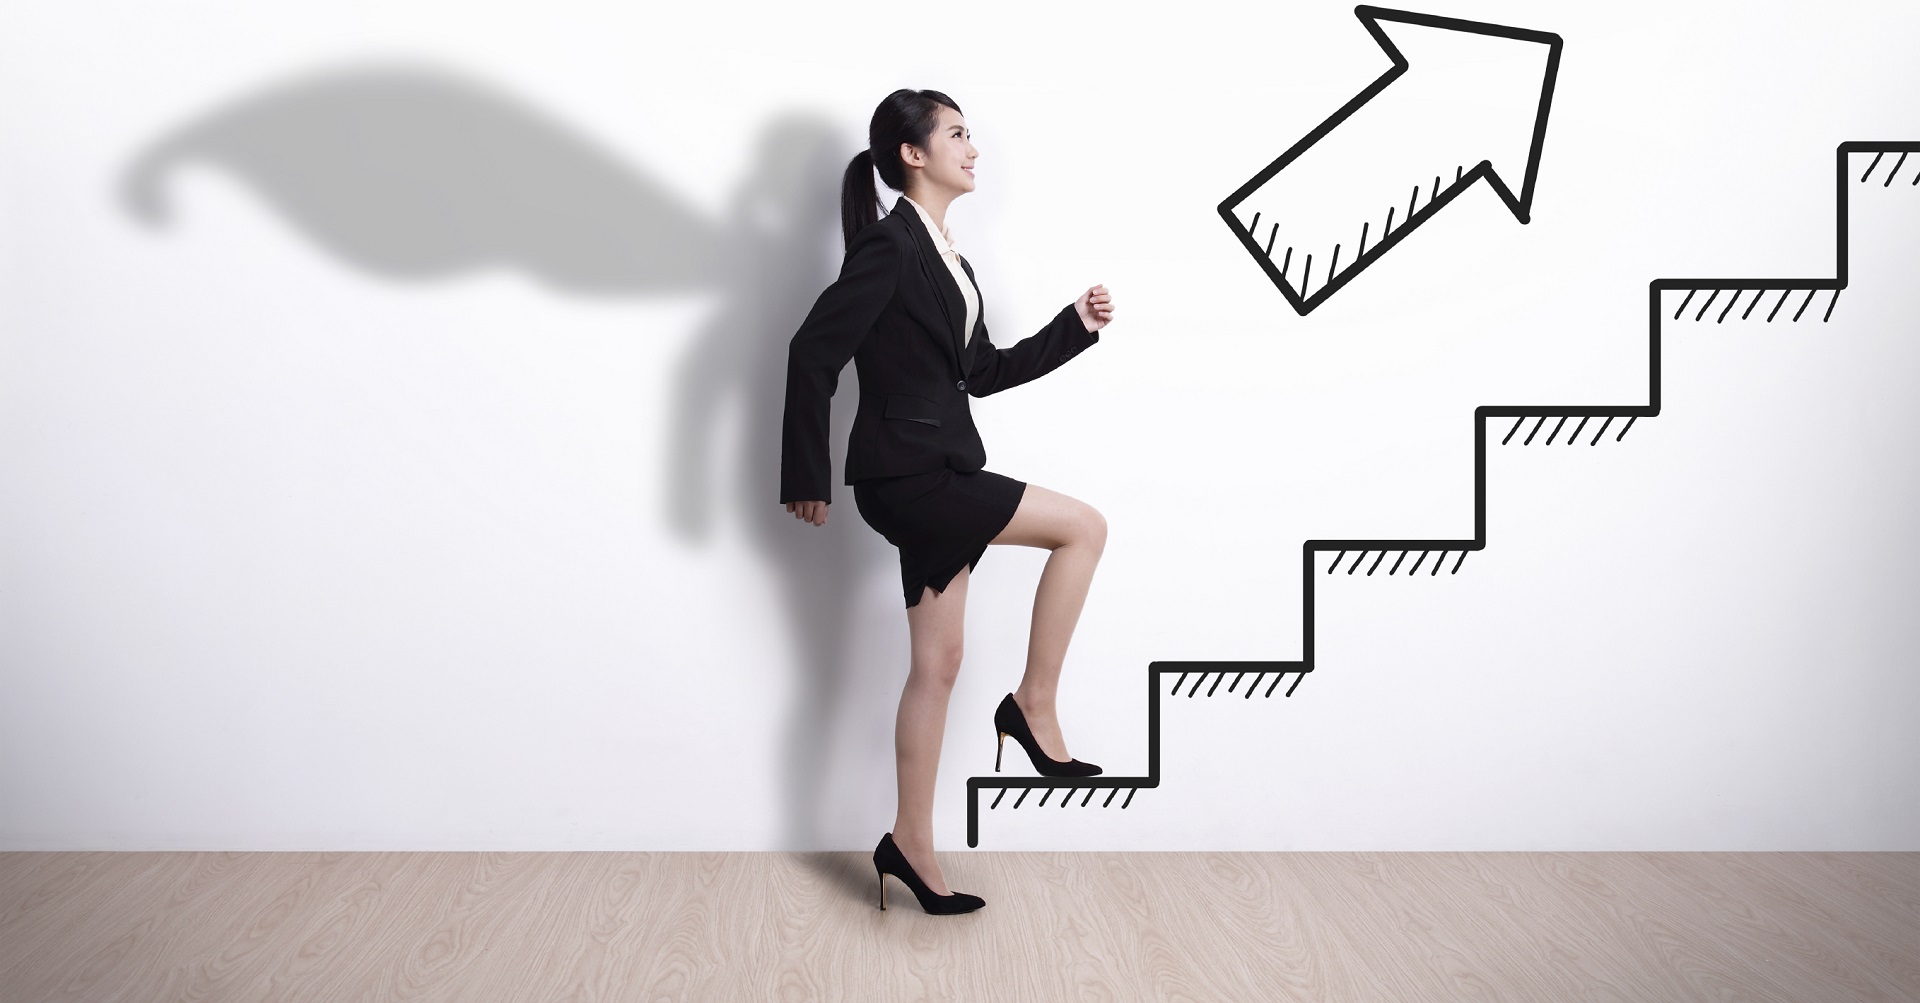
906,310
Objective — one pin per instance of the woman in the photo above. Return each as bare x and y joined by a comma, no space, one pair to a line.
906,310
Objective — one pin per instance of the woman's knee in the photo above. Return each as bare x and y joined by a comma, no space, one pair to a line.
1092,528
938,665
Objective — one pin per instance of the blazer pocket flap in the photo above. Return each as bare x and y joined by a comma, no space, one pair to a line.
912,408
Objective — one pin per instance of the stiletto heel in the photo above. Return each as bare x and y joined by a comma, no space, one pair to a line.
1008,720
887,859
1002,747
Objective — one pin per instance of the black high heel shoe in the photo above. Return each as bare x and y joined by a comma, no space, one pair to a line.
1008,720
887,859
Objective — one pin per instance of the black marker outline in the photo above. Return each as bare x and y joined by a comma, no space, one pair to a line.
1305,664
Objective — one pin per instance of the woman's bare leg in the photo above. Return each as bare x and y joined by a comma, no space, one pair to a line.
936,627
1076,533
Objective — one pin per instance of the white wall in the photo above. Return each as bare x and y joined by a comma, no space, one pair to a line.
391,461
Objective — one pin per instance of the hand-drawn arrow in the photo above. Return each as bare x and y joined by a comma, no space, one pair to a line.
1300,206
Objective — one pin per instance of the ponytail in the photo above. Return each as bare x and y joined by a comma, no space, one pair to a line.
905,116
859,200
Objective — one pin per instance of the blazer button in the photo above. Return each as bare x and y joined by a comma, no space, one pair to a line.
961,386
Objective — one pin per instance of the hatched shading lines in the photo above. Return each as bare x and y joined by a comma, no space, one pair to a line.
1736,293
1360,259
1380,555
1572,437
1893,173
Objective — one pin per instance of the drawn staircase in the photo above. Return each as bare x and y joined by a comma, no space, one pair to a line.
1668,301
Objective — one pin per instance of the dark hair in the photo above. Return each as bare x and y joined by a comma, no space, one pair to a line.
905,116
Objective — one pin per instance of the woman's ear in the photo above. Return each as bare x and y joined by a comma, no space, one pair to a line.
912,155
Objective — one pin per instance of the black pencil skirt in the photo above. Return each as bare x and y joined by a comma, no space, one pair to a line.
941,520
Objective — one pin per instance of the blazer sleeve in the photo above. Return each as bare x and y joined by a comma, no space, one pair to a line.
996,369
820,349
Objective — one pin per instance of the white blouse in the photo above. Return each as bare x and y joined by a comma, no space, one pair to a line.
944,242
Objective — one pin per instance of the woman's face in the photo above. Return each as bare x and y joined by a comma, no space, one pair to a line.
947,162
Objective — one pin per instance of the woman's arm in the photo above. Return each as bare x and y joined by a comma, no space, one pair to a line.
996,369
820,349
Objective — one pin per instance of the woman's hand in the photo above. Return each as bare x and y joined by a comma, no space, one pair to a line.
1095,307
809,511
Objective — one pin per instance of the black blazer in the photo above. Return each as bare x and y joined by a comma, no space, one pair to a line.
897,313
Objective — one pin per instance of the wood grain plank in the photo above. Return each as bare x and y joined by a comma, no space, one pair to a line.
1058,926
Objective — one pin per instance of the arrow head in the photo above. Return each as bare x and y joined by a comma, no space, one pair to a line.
1489,84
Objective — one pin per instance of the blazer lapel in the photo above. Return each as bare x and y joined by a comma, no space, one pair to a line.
953,309
980,298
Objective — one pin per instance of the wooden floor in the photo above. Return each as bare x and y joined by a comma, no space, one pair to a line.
1799,927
